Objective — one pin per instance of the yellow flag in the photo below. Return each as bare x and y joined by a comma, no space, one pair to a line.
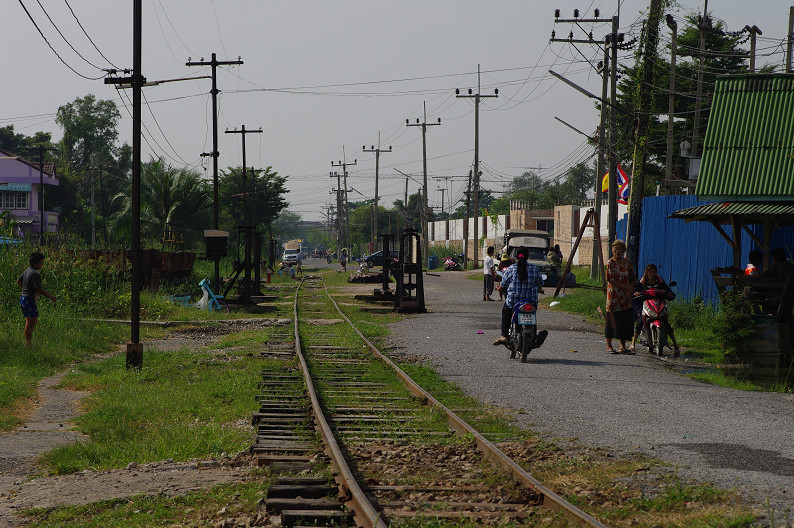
605,183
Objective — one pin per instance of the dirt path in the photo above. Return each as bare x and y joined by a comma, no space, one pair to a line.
50,426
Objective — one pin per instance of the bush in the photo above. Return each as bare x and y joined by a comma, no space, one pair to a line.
734,322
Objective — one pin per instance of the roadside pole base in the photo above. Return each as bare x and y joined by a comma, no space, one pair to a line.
134,355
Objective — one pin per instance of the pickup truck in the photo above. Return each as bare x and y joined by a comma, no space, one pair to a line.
538,243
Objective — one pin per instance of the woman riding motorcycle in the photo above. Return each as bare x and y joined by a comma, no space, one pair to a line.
521,281
650,280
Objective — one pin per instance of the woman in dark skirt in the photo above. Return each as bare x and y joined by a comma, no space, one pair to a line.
620,316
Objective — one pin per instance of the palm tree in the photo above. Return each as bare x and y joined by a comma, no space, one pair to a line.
169,196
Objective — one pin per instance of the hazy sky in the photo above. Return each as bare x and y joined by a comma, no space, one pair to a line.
322,78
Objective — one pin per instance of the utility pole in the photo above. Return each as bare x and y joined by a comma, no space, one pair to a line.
647,76
245,297
443,190
668,163
338,220
425,212
612,215
377,152
102,201
344,166
476,98
753,31
41,149
702,26
789,38
214,63
466,223
134,357
608,69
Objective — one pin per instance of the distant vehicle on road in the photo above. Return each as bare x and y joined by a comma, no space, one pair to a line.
537,243
376,259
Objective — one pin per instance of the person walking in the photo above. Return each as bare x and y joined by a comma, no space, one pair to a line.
620,316
504,263
488,273
521,281
343,259
30,282
299,262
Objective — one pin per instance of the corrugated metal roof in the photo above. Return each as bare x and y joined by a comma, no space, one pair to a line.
721,212
748,151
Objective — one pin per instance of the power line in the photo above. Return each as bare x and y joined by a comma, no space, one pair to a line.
53,49
64,38
88,36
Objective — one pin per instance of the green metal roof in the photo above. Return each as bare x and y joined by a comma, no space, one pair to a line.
748,151
747,212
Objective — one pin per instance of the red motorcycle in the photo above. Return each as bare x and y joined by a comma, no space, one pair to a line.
656,326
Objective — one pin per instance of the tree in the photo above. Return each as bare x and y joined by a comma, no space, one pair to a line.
287,226
23,145
90,133
723,56
269,198
169,196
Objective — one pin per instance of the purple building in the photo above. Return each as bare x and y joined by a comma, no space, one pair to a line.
21,182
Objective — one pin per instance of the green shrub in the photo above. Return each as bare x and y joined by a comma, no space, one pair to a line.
734,321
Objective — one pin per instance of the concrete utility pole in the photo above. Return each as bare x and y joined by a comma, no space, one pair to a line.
134,357
595,265
338,220
424,124
604,70
668,162
377,152
477,172
466,222
789,38
214,63
703,24
753,31
443,190
41,149
647,75
344,166
245,296
612,215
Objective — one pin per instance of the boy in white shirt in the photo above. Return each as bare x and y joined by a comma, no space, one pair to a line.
488,271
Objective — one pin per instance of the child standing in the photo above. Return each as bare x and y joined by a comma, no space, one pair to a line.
30,281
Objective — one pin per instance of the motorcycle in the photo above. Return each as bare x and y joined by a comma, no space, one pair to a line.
524,335
453,263
328,258
656,329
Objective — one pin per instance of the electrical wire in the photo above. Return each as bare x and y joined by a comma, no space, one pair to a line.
88,36
53,49
64,37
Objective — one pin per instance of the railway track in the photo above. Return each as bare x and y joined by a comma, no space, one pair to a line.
386,451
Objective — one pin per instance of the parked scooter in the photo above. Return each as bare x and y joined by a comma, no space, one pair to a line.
657,328
328,258
453,263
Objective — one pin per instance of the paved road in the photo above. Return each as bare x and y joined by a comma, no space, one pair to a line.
573,388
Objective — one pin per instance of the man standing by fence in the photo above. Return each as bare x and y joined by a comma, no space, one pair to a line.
488,272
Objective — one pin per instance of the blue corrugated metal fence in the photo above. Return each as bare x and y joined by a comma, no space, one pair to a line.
687,252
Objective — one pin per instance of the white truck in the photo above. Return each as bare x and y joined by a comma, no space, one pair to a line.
292,249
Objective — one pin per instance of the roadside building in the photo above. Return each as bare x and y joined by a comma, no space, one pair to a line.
21,193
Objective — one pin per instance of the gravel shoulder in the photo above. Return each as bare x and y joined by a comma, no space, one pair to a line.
572,388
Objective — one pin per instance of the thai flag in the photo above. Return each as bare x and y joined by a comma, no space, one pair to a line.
623,186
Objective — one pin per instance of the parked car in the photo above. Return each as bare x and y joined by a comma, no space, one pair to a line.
376,259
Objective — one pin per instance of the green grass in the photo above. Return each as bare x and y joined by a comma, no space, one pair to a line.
192,509
58,341
181,405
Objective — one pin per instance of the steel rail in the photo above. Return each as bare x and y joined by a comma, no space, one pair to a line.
365,513
549,499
